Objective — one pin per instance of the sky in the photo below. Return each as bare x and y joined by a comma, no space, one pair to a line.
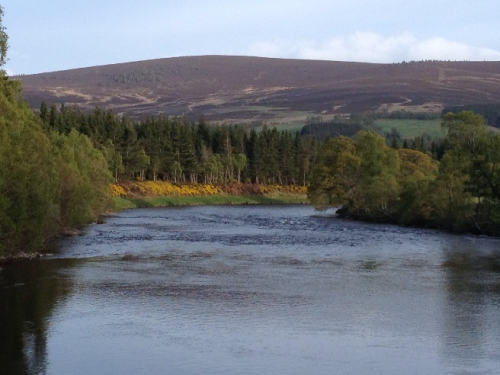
53,35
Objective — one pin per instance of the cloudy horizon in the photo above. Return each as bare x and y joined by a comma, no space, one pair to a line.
60,35
374,48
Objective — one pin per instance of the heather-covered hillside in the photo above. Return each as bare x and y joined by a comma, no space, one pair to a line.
246,89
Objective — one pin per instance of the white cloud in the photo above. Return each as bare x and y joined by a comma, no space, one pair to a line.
443,49
371,47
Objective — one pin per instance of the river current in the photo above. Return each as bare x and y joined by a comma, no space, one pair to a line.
253,290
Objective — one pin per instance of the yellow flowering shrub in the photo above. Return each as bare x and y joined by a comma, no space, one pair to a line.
288,189
161,188
117,191
134,189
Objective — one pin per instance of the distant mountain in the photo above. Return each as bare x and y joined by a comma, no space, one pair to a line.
245,89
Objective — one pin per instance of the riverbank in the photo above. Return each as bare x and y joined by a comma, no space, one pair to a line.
163,201
142,194
20,257
139,194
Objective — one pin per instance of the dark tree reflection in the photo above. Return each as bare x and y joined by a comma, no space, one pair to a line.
29,291
472,286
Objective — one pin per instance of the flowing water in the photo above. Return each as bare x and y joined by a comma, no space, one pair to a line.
253,290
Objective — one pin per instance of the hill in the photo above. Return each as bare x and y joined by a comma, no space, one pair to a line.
246,89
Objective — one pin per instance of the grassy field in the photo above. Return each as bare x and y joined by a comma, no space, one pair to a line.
124,203
412,128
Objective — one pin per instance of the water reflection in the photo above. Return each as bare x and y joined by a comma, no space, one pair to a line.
472,289
29,291
268,290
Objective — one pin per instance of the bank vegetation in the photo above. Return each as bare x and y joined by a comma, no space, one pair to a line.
372,181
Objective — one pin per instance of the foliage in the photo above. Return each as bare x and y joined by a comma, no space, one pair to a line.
336,174
377,186
28,177
175,150
417,170
131,194
141,189
490,111
83,179
461,193
322,130
53,181
48,181
475,155
133,189
285,189
451,204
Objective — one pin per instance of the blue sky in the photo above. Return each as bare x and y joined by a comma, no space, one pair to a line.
55,35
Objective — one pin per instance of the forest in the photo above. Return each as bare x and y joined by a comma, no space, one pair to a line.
57,165
174,149
452,183
490,111
372,181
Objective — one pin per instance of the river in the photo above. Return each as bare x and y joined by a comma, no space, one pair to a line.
253,290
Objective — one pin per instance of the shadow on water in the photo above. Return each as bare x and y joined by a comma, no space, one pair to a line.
29,292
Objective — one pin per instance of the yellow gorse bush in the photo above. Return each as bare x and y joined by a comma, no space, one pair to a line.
117,191
162,188
288,189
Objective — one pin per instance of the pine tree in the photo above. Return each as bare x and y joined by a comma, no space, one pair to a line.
44,113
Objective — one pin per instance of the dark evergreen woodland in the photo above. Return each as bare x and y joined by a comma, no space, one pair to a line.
176,150
490,111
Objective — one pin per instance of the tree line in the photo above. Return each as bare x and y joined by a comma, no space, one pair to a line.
490,111
48,181
174,149
372,181
56,166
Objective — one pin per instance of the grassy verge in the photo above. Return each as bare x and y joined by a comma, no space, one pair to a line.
124,203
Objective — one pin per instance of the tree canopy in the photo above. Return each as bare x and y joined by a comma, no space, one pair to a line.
177,150
371,181
48,181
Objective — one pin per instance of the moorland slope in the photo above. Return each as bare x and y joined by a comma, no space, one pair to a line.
246,89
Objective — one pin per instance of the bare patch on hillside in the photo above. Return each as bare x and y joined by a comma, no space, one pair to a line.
406,105
248,89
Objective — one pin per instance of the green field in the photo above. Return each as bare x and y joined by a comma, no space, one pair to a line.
412,128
